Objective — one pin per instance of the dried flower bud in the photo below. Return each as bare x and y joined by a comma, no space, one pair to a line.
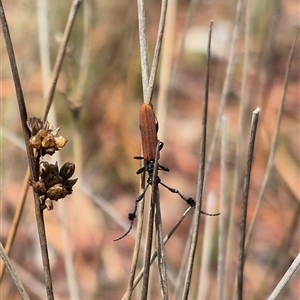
60,142
34,124
69,185
67,170
56,192
48,141
49,204
35,142
39,187
44,138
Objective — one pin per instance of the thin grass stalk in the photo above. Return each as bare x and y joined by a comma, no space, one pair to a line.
137,245
200,183
241,263
280,253
190,14
239,147
227,83
33,164
166,67
274,143
224,213
182,268
42,15
208,239
43,30
286,278
156,56
160,250
149,239
154,255
75,102
16,220
33,284
13,273
143,47
60,56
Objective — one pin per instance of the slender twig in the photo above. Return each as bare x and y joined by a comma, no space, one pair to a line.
208,239
285,279
200,183
280,252
274,143
226,85
224,213
239,150
149,239
143,46
182,268
33,165
192,10
157,50
154,255
241,263
160,245
60,56
13,273
165,69
137,245
15,223
42,14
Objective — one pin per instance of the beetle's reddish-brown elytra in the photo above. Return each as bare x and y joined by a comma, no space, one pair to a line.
149,128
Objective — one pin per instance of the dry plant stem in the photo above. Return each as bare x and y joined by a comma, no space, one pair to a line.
42,14
33,163
285,279
166,68
208,239
183,263
85,55
200,183
45,113
13,273
43,29
239,149
61,55
143,46
157,50
241,262
159,238
16,221
270,163
227,84
280,253
224,212
150,229
154,255
191,12
137,245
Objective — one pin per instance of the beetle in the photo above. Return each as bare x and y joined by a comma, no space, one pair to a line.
149,129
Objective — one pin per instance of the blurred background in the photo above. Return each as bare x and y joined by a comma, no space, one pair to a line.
97,102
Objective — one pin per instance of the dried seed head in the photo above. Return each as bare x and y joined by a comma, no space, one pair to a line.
56,192
34,124
60,142
67,170
44,138
39,187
